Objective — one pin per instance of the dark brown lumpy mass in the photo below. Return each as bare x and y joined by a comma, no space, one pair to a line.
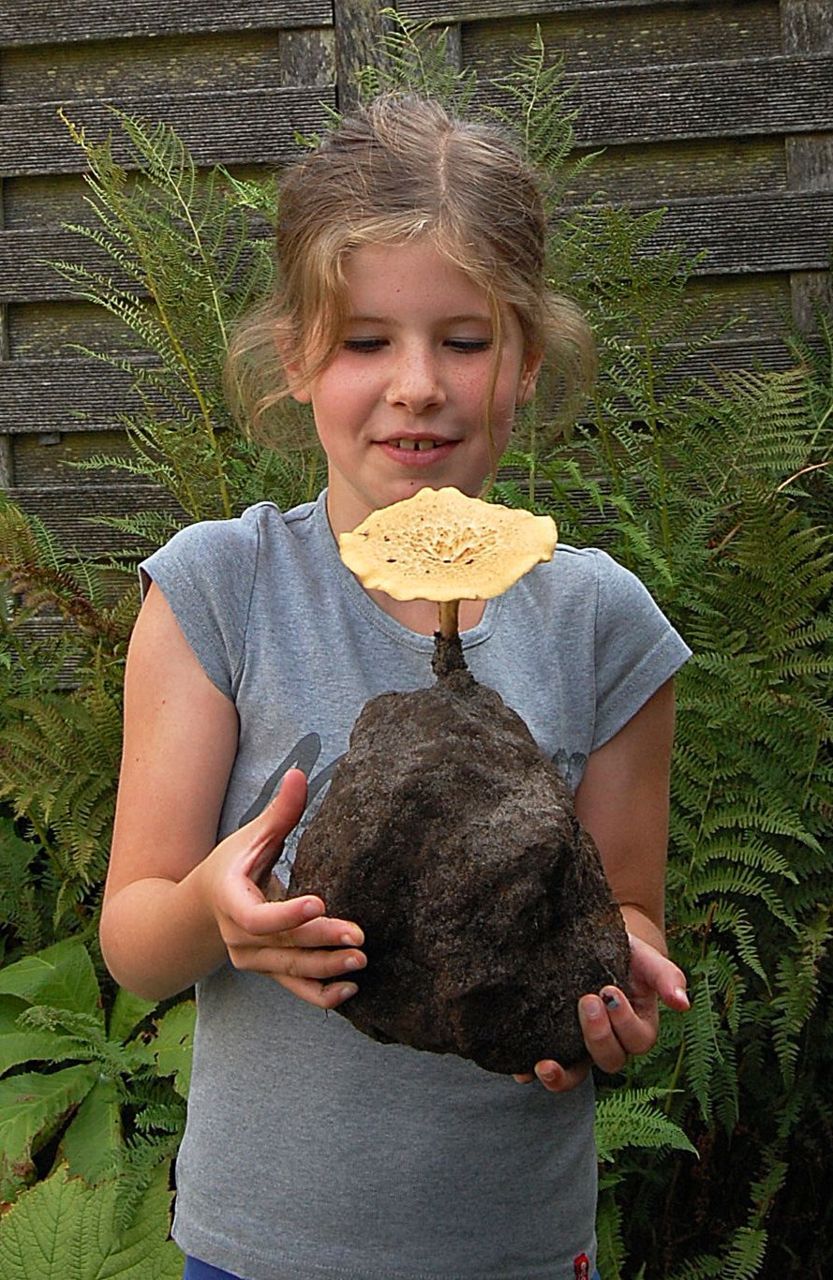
452,841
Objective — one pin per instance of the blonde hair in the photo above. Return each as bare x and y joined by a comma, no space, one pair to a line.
395,170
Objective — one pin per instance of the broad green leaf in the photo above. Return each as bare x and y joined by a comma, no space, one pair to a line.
18,1047
173,1045
31,1108
94,1135
22,1043
65,1230
127,1012
61,975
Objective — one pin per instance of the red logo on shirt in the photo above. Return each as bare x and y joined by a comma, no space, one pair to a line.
581,1267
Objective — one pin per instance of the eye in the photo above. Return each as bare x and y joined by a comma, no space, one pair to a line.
363,344
469,344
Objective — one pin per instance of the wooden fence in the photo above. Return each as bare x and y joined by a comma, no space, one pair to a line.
721,110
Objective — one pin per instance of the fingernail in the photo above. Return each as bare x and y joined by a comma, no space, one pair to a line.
549,1074
349,989
610,998
311,909
352,939
593,1010
352,962
682,995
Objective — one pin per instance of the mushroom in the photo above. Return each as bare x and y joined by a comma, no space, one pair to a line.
448,834
444,546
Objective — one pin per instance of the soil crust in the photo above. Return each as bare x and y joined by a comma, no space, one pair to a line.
452,841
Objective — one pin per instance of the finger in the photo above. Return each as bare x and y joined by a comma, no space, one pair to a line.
558,1079
296,962
603,1044
527,1078
659,973
325,931
635,1029
244,914
326,995
269,829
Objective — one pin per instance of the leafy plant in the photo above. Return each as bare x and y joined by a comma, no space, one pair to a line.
80,1087
717,495
62,1228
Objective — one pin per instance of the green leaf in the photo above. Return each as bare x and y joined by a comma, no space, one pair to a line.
94,1137
127,1012
64,1230
61,975
630,1118
173,1045
28,1044
31,1108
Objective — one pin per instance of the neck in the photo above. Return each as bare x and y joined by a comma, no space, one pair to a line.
422,616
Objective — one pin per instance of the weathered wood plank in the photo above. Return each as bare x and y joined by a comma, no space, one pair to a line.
809,159
228,127
56,328
710,100
438,11
63,395
307,57
142,67
42,22
807,24
37,464
693,170
755,233
69,512
654,37
790,232
359,32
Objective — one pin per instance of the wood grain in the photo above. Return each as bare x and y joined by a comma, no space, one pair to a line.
27,22
228,127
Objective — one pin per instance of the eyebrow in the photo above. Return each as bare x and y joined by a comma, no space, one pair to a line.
445,319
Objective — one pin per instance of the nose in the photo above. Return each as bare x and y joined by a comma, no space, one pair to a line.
415,382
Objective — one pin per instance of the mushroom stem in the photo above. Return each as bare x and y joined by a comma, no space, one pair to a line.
449,618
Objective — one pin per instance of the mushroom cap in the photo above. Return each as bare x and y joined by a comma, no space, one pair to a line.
442,545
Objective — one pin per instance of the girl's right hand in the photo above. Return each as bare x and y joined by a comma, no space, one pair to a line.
292,941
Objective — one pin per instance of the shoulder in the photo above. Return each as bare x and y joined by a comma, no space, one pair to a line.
216,549
596,578
587,577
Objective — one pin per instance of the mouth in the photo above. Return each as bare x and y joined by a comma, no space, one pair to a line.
417,451
422,444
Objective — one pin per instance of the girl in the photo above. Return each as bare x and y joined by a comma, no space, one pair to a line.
413,315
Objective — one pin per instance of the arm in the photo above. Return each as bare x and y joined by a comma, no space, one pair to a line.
176,906
622,802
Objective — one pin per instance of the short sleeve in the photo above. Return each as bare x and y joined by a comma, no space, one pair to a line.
206,573
637,649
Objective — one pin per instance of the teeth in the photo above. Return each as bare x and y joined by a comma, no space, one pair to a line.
413,445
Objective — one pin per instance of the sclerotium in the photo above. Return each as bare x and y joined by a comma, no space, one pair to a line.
448,835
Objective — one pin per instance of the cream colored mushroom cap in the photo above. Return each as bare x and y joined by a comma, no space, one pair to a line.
442,545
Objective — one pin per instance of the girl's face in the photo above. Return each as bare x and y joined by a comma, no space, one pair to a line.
402,404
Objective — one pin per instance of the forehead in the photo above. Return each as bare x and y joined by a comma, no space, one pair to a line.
391,279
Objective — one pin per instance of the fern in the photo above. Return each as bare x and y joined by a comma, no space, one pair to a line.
718,495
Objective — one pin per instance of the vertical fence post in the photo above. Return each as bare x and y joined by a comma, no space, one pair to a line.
359,30
807,28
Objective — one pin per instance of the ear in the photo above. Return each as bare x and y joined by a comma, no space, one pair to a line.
297,390
528,380
294,374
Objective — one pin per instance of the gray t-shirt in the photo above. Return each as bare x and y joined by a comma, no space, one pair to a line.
312,1152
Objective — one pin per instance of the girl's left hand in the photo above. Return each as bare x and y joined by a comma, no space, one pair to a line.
616,1027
